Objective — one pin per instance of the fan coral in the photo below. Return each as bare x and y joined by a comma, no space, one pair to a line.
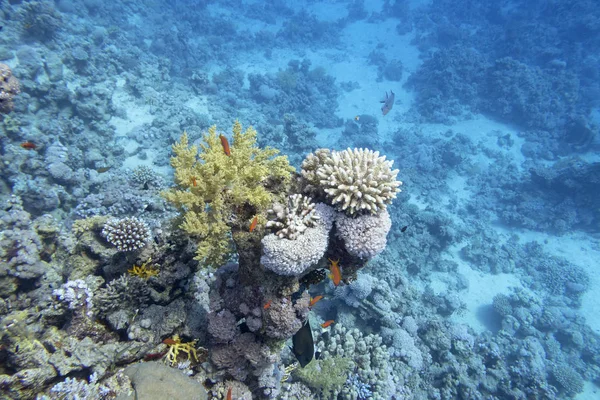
293,257
353,181
126,234
364,236
212,187
9,88
295,218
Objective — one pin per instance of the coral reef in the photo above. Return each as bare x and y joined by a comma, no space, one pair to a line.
365,235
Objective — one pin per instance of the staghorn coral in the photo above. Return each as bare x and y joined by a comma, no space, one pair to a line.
295,218
353,181
126,234
213,187
9,88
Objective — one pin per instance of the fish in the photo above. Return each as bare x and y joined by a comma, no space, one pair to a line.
229,394
225,145
314,300
327,323
169,341
317,355
404,228
303,345
28,145
102,170
267,305
336,274
254,223
194,181
388,102
357,118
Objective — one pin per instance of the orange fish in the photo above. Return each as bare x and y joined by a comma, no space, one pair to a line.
194,182
314,300
28,145
254,223
169,341
225,144
336,274
229,394
327,323
267,305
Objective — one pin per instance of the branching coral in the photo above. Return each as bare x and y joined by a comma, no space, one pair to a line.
353,181
295,218
213,188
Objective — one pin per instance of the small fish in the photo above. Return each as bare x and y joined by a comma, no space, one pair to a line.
194,181
225,144
102,170
28,145
327,323
229,394
267,305
303,345
154,356
404,228
388,103
336,274
169,341
314,300
357,118
317,355
254,223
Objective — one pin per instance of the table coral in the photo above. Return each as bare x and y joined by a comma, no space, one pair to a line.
213,188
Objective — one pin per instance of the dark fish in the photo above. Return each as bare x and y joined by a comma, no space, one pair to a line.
313,277
404,228
388,103
317,355
303,345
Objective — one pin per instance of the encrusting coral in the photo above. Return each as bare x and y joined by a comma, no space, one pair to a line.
353,181
217,191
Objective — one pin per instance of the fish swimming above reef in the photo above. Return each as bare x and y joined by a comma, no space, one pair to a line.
388,102
303,345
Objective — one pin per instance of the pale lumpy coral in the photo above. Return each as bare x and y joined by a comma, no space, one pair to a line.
292,221
353,181
126,234
365,235
292,257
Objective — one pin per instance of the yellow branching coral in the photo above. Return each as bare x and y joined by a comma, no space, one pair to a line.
144,271
214,190
176,347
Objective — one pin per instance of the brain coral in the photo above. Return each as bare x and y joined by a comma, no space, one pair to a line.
353,181
364,236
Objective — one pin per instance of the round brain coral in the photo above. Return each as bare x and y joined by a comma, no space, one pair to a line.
353,181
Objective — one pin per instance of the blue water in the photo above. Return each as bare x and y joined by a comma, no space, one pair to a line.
485,286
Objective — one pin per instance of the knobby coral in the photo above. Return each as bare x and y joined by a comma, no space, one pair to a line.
295,218
353,181
214,188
